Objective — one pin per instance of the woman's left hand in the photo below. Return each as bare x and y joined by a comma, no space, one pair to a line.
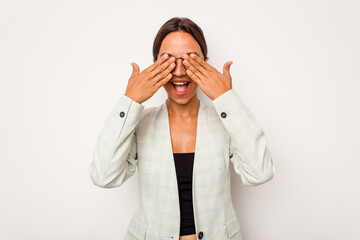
211,81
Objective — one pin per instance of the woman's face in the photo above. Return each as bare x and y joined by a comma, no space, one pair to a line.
176,44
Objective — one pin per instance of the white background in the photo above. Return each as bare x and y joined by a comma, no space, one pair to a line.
64,64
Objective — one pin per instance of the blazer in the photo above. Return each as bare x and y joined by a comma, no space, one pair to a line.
134,137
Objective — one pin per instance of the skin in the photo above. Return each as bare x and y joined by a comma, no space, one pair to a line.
183,110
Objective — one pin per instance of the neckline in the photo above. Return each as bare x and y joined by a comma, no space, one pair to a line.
199,115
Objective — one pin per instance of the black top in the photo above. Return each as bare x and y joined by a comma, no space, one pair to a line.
184,171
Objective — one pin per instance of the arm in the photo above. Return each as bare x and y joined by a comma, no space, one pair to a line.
115,154
248,150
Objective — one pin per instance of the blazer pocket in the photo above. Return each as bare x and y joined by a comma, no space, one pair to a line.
136,229
232,226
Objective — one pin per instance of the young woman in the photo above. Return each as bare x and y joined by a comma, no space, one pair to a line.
182,148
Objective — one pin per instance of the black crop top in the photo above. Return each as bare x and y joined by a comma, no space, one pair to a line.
184,171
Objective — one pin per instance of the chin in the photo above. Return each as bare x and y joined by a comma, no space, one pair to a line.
181,101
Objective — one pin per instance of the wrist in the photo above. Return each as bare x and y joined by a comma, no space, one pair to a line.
132,98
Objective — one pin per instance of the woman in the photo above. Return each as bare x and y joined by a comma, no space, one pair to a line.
182,148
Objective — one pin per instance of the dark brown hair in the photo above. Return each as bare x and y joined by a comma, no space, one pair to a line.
178,24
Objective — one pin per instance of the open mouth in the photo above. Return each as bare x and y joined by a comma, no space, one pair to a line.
181,88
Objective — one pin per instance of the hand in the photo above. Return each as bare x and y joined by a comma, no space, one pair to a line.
211,81
142,86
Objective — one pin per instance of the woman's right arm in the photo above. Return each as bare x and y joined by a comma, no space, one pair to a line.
115,154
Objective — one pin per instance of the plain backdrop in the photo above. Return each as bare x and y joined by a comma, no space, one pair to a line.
64,64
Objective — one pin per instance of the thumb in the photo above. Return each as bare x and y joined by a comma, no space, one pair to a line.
226,68
135,69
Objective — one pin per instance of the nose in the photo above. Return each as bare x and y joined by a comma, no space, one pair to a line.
179,67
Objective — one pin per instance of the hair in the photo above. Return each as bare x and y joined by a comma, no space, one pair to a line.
178,24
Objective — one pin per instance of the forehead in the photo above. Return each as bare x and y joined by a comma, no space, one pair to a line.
178,43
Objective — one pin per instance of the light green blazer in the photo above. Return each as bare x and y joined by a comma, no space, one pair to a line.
134,137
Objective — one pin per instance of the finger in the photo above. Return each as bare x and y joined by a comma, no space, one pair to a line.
135,69
160,61
226,68
159,69
165,73
193,69
195,78
163,81
190,62
200,61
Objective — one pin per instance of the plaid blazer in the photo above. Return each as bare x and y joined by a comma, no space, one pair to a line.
134,137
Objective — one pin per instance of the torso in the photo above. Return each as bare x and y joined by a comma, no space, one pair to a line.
183,139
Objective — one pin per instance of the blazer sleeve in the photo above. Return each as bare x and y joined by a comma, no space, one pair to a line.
248,150
115,153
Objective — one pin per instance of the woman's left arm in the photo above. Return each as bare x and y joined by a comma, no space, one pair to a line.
248,150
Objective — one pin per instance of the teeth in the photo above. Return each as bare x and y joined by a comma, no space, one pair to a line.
180,83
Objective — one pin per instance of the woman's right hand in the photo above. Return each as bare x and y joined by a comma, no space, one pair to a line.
142,86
